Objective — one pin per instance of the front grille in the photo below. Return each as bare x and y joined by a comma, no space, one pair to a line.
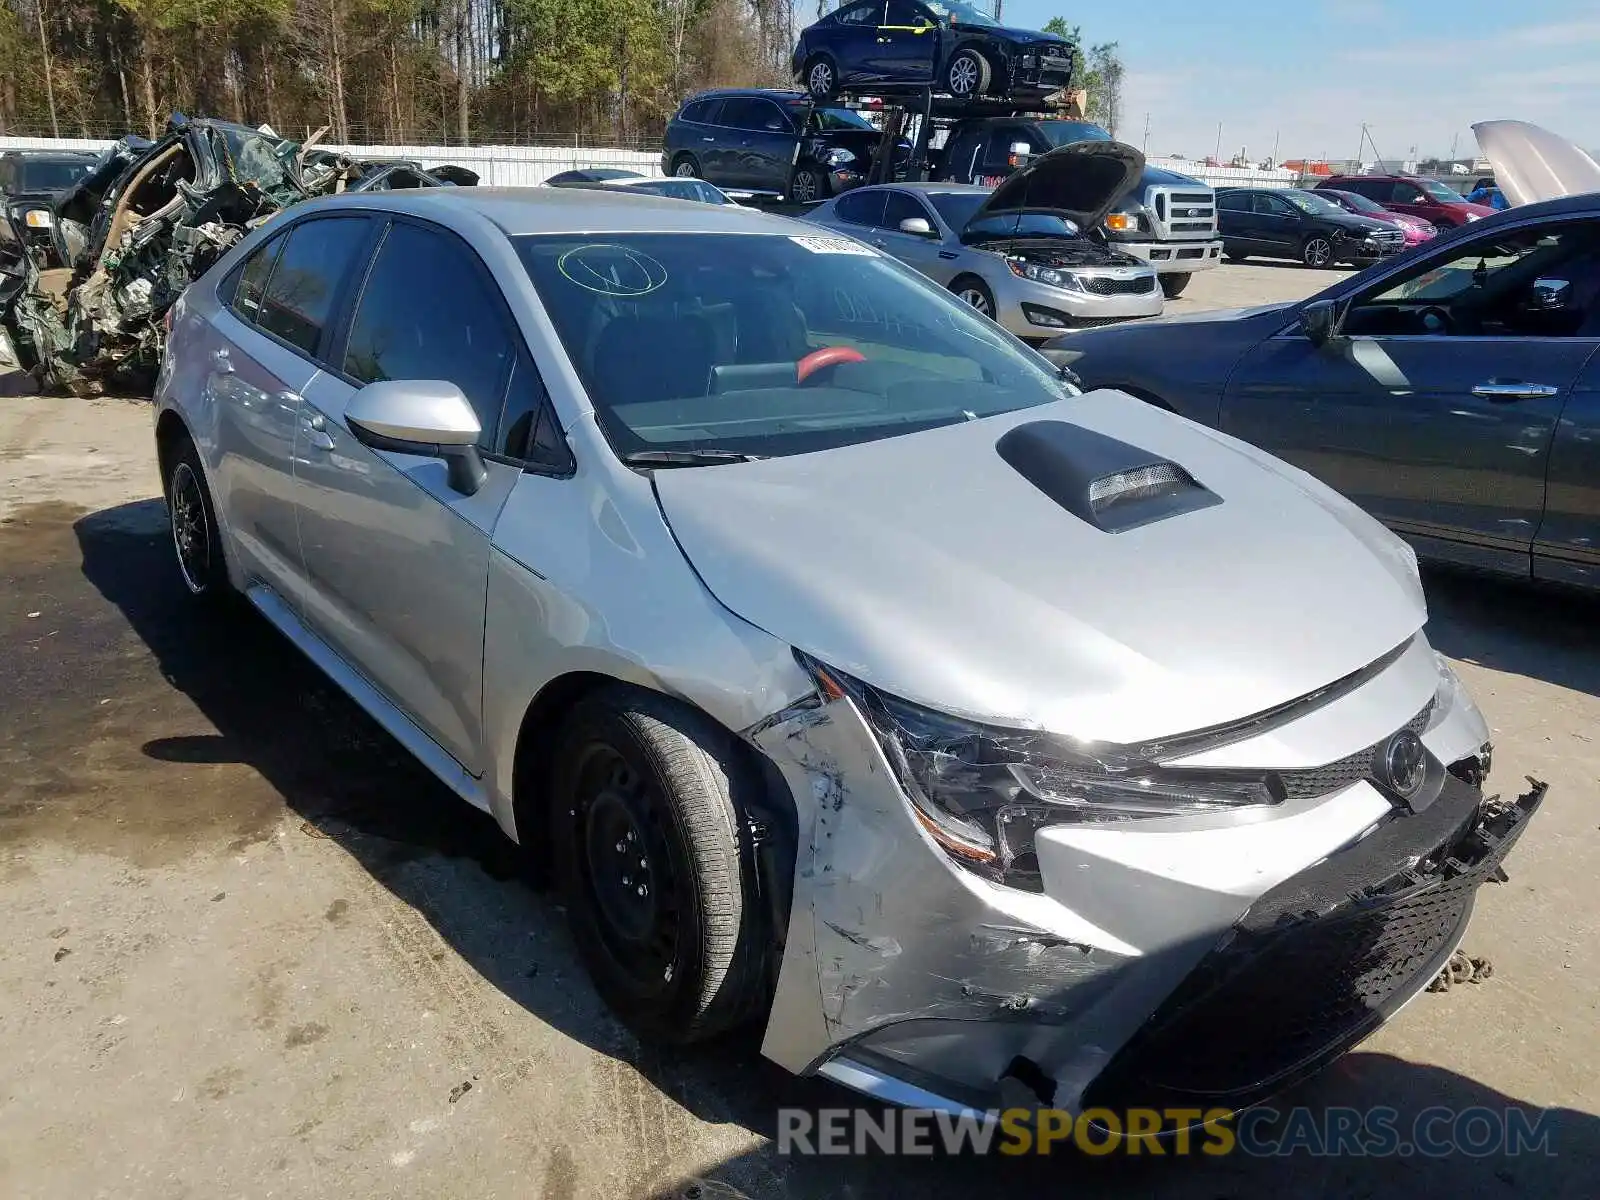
1336,776
1320,961
1101,285
1182,213
1096,322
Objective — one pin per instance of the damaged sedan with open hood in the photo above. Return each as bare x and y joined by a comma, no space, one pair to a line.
991,742
146,220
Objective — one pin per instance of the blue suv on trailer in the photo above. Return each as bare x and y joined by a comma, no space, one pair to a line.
948,45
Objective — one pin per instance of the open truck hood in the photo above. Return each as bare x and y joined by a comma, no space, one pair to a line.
1532,164
937,567
1081,181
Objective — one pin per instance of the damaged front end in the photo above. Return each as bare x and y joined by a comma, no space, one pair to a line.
989,919
136,231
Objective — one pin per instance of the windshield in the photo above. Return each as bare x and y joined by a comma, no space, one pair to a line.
1438,191
963,14
826,119
1356,202
1064,133
959,208
1311,203
715,341
51,175
683,189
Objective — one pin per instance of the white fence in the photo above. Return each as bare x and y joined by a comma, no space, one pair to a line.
499,166
527,166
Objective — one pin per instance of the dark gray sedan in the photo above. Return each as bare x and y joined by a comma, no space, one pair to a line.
1454,392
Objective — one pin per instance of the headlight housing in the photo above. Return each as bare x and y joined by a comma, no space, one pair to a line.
1049,276
37,218
837,156
982,792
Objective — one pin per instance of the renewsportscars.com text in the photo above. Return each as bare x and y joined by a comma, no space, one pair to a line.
1436,1132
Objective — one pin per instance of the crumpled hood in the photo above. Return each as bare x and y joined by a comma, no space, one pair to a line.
929,566
1533,164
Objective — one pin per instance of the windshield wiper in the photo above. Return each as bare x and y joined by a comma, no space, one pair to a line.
686,458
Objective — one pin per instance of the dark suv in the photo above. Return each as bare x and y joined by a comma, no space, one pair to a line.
1413,195
28,179
773,143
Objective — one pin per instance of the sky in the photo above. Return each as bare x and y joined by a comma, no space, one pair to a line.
1309,72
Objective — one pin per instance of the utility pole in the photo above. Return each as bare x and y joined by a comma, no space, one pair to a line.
49,84
999,6
1146,146
1217,157
1276,133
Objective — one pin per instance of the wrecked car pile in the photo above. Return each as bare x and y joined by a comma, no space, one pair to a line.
148,219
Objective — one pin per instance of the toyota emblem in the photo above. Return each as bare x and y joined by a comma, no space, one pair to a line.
1403,764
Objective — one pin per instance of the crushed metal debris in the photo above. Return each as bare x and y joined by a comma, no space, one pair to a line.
147,220
1461,968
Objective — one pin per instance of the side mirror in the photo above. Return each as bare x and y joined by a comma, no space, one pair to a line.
430,417
1319,321
917,225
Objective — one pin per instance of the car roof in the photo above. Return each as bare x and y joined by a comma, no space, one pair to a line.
59,154
930,189
518,211
778,94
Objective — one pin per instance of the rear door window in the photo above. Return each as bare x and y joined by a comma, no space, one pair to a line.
300,296
745,112
429,310
860,208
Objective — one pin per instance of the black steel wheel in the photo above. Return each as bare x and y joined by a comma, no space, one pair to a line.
657,873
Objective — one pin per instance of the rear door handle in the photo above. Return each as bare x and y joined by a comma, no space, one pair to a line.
1514,390
708,139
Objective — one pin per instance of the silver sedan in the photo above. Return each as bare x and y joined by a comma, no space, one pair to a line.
849,670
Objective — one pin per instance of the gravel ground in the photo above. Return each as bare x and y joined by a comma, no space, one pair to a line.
256,951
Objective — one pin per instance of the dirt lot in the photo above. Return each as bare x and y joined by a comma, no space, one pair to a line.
253,950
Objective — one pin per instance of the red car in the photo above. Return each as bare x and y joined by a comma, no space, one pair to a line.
1416,229
1412,195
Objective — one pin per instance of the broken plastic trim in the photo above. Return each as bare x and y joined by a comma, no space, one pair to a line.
982,792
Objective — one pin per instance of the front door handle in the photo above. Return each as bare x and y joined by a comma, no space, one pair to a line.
708,139
317,434
1514,390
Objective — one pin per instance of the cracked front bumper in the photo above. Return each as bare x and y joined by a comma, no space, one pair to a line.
916,981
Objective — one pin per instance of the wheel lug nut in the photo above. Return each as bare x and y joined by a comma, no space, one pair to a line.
643,891
621,846
626,881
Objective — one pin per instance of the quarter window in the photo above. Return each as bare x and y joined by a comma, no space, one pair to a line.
250,281
532,432
428,312
300,295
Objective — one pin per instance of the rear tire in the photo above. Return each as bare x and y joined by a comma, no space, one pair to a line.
1172,285
967,75
196,537
685,167
975,293
658,877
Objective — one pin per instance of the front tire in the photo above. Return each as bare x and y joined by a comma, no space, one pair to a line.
196,537
685,167
966,75
657,876
821,77
975,293
1172,285
807,185
1317,252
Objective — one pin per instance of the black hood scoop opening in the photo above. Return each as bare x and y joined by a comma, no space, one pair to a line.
1104,482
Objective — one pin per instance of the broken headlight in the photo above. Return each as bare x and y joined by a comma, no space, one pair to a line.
983,791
